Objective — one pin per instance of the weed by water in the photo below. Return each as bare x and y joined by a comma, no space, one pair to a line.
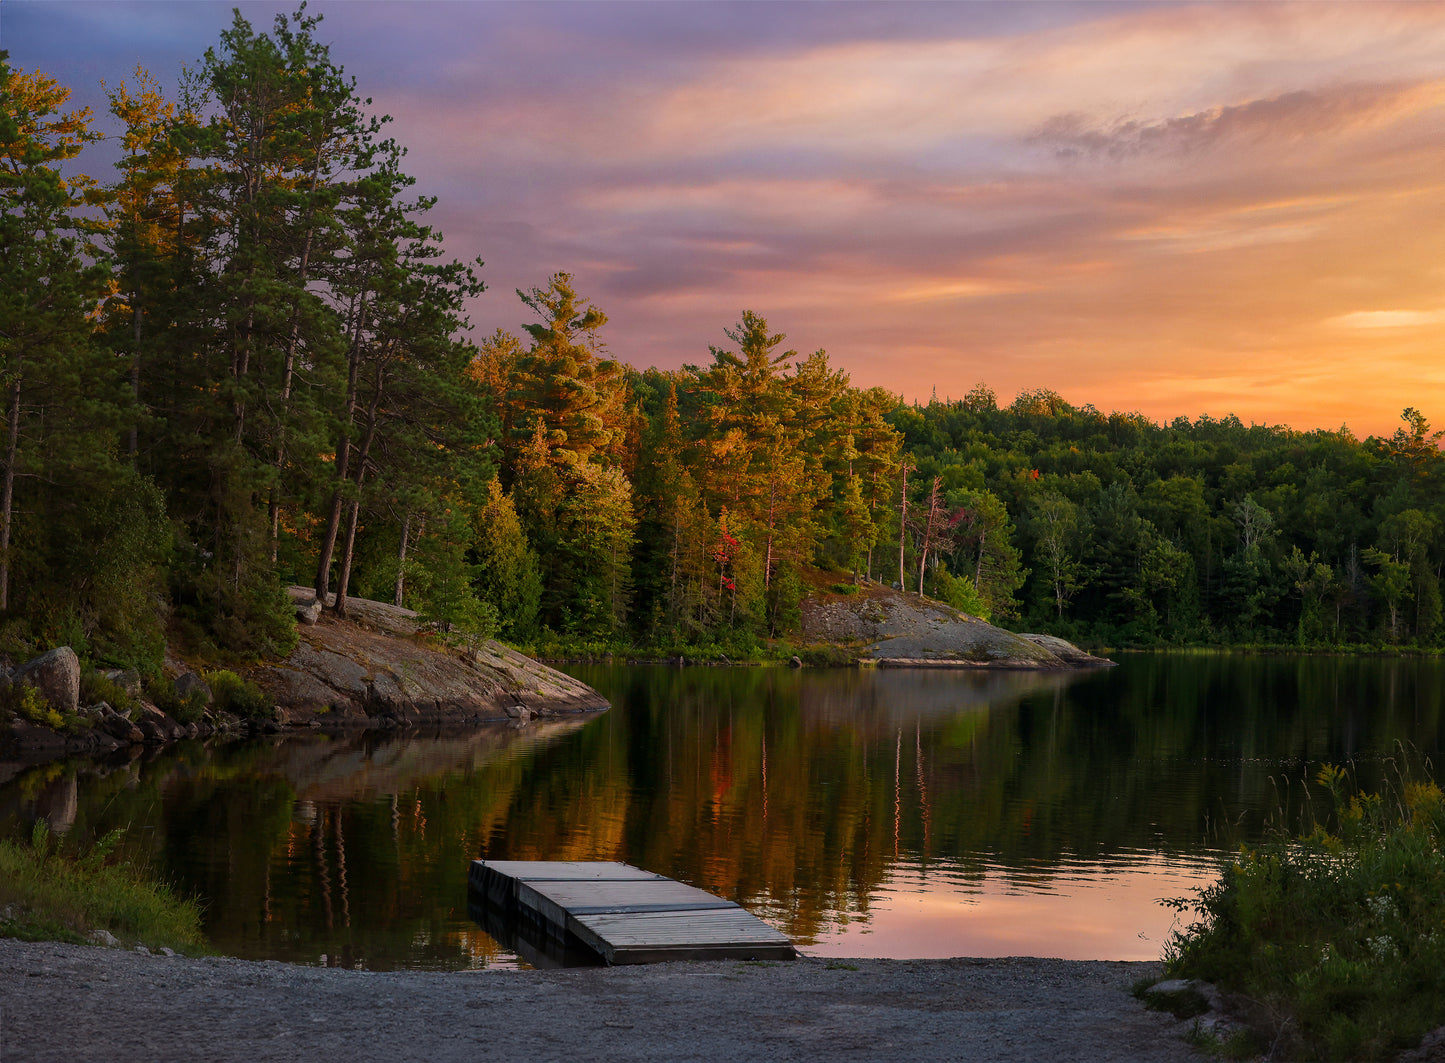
230,693
47,894
1338,934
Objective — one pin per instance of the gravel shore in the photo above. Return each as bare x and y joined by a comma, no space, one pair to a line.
72,1003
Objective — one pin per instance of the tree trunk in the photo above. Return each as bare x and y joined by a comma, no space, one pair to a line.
344,580
978,565
768,555
343,458
7,495
362,456
902,525
928,531
289,370
401,561
133,436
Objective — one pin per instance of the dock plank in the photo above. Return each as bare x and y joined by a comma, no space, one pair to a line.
623,913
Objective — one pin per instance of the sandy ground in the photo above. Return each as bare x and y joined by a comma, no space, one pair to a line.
72,1003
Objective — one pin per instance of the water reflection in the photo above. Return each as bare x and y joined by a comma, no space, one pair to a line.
864,813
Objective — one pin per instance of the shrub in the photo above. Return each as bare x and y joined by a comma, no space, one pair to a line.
1337,935
162,694
95,688
230,693
26,701
844,588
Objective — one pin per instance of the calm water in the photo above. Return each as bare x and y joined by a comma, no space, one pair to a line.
889,813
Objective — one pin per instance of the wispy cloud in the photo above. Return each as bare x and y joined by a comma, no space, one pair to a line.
1180,209
1389,319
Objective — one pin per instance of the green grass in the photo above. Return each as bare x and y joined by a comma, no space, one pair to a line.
50,895
1337,936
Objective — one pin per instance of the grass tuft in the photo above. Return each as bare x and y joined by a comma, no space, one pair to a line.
47,894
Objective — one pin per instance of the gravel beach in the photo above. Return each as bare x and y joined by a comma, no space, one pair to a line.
72,1003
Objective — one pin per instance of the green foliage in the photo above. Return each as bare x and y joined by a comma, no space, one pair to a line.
1138,533
507,575
26,701
444,582
95,688
959,592
1336,933
50,894
161,693
254,620
240,697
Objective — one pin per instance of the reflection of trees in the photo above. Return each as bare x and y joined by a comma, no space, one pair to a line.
795,793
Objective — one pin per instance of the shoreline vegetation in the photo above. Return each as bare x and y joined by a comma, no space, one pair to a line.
1328,943
51,892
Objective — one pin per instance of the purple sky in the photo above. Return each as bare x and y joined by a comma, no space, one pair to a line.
1177,209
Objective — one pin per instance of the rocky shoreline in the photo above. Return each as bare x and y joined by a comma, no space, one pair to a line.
379,668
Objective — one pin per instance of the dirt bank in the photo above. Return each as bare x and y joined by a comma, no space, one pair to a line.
72,1003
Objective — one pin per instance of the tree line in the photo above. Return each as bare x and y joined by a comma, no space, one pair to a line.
243,362
1198,532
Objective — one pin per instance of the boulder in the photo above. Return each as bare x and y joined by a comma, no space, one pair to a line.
156,726
31,738
308,611
56,675
117,726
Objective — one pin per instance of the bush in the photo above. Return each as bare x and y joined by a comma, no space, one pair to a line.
95,688
163,696
1337,935
230,693
959,592
25,701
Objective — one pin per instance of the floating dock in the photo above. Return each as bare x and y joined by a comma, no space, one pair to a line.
623,914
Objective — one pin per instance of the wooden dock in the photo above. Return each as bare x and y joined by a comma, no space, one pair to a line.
622,913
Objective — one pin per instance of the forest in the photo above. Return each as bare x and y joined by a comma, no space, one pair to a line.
243,361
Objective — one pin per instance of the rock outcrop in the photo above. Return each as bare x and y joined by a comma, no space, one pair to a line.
894,628
379,668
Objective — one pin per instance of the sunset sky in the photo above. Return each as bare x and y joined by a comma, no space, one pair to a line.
1174,209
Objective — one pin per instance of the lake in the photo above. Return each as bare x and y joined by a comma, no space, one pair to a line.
863,812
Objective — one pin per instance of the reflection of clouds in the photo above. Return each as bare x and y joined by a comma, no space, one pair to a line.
1101,912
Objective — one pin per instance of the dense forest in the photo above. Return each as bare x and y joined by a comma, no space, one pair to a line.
243,362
